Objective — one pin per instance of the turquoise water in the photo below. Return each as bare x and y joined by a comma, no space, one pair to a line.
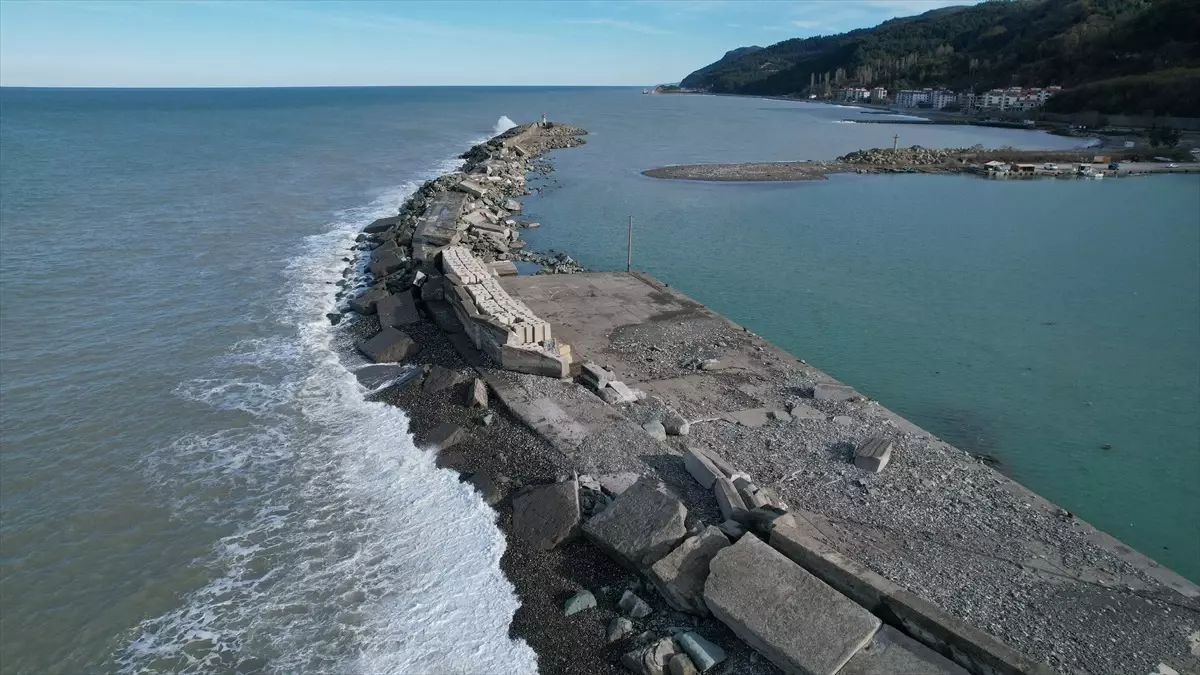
1034,321
190,480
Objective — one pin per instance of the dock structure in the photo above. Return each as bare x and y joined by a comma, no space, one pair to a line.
499,325
826,532
899,522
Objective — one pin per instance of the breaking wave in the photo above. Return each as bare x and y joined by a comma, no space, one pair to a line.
502,125
345,549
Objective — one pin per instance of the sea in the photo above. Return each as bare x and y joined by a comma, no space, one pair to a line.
191,480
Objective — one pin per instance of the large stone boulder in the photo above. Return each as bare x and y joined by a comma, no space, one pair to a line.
651,659
389,346
680,576
439,378
546,516
397,310
641,526
364,303
386,259
701,467
785,613
702,652
381,225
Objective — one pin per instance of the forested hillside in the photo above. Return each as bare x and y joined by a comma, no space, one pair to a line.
1114,56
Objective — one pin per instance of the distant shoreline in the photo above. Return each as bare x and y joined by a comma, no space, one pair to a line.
1046,163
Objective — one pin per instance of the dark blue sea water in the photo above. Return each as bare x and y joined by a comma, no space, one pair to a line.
191,481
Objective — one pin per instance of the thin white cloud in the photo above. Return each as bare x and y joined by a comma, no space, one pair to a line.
808,25
905,7
619,24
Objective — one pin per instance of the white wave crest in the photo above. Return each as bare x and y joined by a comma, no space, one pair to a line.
347,550
502,125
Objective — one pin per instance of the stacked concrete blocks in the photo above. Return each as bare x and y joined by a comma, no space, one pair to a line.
498,324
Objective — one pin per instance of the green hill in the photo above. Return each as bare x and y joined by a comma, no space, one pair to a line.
1114,56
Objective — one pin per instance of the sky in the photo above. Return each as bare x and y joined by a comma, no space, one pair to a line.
238,43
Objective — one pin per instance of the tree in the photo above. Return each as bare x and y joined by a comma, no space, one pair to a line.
1163,137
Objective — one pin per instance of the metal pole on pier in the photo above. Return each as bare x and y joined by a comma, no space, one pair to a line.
629,247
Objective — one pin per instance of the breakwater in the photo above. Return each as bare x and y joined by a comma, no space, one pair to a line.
935,520
916,159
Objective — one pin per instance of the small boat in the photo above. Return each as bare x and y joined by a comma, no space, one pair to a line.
645,91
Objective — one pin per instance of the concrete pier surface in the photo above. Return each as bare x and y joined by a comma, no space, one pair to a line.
934,520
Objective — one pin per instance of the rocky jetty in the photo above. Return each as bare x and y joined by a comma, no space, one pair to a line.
914,156
639,540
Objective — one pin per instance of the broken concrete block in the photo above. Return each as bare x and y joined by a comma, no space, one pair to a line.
595,375
779,416
891,652
624,393
634,606
675,423
477,395
873,454
579,602
703,653
389,346
616,483
656,430
799,411
785,613
720,462
486,487
680,664
471,188
680,575
701,468
752,418
844,420
386,260
439,378
533,361
364,303
504,268
619,628
381,225
827,391
732,529
444,436
548,515
512,205
730,502
397,310
651,659
641,525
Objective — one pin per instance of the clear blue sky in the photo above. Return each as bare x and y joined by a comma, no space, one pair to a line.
187,43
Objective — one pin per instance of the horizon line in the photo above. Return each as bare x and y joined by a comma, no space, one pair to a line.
319,86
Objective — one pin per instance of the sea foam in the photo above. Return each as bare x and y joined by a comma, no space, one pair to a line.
347,550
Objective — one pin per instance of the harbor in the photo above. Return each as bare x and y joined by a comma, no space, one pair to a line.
630,378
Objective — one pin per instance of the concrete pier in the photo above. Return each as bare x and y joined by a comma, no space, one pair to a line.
951,531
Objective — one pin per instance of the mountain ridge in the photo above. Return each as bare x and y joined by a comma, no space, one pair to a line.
1112,56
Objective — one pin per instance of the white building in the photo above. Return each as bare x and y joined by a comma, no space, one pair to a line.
879,95
854,94
940,98
1016,98
911,98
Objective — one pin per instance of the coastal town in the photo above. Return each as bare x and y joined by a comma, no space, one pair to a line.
1012,99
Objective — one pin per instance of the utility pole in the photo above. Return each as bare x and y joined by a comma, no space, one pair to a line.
629,247
895,142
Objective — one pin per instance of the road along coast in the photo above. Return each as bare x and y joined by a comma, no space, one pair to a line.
679,495
988,163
